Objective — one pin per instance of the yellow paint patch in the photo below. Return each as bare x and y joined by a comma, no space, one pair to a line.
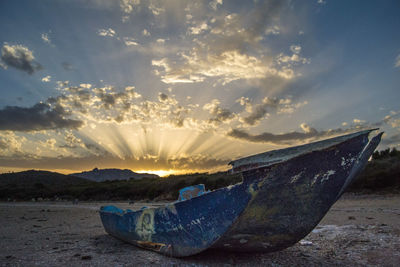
145,225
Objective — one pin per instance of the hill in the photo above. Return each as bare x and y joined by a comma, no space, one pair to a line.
382,173
33,177
32,184
101,175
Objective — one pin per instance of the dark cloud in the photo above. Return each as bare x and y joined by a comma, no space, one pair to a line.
269,137
291,137
108,100
162,97
220,114
19,57
257,114
268,106
41,116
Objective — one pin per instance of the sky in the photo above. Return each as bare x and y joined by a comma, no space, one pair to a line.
179,86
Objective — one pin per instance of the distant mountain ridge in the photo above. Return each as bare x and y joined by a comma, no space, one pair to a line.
101,175
35,177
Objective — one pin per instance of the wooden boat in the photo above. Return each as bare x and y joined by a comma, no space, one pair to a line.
283,196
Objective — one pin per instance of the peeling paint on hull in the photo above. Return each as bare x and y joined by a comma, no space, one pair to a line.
274,207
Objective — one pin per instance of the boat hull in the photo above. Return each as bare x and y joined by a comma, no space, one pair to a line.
274,207
290,199
182,228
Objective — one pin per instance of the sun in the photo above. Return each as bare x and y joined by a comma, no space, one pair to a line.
161,173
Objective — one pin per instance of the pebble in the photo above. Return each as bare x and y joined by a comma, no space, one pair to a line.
86,257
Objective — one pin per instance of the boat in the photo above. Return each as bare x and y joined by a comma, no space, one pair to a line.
283,195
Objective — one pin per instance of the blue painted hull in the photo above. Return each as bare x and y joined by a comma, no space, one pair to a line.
275,206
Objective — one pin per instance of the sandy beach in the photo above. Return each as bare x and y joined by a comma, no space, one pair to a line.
358,231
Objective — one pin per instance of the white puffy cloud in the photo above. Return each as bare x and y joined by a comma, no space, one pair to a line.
227,47
274,30
46,79
155,9
296,49
11,143
214,4
227,67
358,121
202,26
397,62
145,32
129,41
127,6
106,32
46,38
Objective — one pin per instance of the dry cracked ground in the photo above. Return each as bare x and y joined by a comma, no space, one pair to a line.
359,230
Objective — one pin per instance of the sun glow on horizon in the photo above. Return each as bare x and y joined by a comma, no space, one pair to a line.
161,173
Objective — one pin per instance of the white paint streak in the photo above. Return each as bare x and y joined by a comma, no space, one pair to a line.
326,176
315,179
346,163
295,177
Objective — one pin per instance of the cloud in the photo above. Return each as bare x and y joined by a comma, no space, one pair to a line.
393,140
145,32
106,32
296,49
220,115
46,79
127,6
19,57
295,58
162,97
46,38
311,134
156,10
227,47
397,63
268,106
214,4
11,143
198,28
130,41
274,30
358,121
41,116
109,105
228,66
289,138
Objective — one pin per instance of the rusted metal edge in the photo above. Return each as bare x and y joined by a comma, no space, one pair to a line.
151,245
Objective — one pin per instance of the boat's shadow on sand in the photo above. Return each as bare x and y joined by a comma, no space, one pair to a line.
105,244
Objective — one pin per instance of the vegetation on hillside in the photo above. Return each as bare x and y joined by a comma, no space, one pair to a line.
382,174
133,189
